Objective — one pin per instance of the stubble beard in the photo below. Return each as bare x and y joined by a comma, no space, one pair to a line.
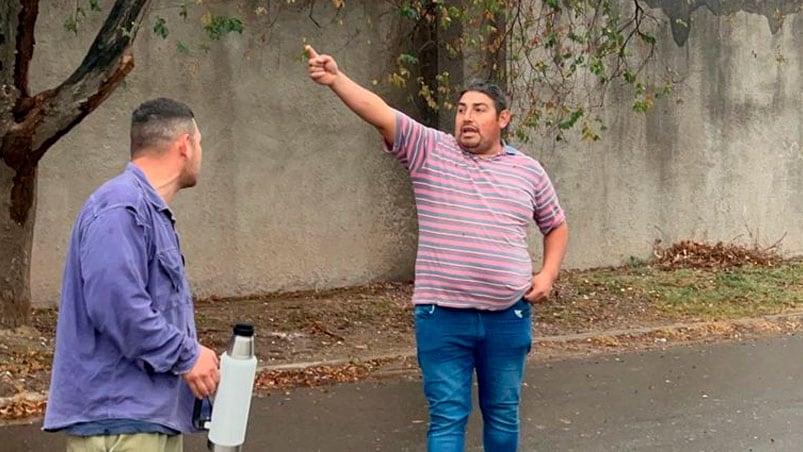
470,145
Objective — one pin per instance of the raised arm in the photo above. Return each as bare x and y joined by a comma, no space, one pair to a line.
367,105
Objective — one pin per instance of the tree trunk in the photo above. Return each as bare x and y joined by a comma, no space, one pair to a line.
30,124
16,238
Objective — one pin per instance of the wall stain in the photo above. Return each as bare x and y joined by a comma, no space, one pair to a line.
680,11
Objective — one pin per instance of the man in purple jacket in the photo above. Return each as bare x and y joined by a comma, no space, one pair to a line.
127,365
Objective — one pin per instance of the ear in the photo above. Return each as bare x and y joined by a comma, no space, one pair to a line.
183,145
504,118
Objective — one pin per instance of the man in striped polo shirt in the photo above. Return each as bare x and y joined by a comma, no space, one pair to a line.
474,284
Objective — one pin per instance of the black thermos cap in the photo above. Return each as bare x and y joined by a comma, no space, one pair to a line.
243,329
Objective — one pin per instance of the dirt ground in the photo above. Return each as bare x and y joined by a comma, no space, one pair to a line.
355,324
366,332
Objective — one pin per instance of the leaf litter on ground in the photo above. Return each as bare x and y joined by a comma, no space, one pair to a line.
351,334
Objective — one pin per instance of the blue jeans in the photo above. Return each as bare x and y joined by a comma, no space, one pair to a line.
452,344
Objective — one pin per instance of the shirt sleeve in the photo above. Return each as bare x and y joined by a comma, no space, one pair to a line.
547,212
413,143
114,267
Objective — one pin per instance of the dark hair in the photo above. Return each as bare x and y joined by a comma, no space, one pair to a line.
158,120
491,90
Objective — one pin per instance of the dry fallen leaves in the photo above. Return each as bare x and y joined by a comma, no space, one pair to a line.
317,376
691,254
22,409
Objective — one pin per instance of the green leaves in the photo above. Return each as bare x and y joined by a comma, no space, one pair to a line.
217,27
571,120
182,48
408,12
73,22
160,28
556,58
408,59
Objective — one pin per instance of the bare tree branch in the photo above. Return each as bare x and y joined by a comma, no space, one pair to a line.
25,44
55,112
10,12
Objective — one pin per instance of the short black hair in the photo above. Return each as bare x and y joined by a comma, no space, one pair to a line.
492,90
158,120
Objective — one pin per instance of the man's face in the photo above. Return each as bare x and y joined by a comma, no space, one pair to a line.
478,126
192,170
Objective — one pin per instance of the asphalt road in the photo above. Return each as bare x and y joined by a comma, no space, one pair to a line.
731,397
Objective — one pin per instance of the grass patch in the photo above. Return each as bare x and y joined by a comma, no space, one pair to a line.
740,292
697,293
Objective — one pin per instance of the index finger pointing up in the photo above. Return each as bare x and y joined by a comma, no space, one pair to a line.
311,53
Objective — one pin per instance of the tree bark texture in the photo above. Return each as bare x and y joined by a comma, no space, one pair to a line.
31,123
16,239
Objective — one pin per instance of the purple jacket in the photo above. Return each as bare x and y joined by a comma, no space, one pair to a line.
125,329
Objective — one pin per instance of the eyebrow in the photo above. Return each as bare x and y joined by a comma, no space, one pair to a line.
463,104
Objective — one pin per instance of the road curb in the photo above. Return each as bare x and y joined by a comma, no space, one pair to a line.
557,339
673,326
33,397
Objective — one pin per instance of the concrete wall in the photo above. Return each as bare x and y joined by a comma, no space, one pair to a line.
719,159
296,193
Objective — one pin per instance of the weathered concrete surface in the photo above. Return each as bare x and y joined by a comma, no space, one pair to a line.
680,13
296,193
718,159
740,396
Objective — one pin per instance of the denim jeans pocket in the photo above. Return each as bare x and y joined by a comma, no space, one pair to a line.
528,308
522,309
423,311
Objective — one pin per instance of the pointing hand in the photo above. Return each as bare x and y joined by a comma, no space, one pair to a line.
322,68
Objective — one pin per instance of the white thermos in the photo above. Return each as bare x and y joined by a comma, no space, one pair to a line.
238,367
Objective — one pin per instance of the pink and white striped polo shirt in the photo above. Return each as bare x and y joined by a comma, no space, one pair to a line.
473,216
